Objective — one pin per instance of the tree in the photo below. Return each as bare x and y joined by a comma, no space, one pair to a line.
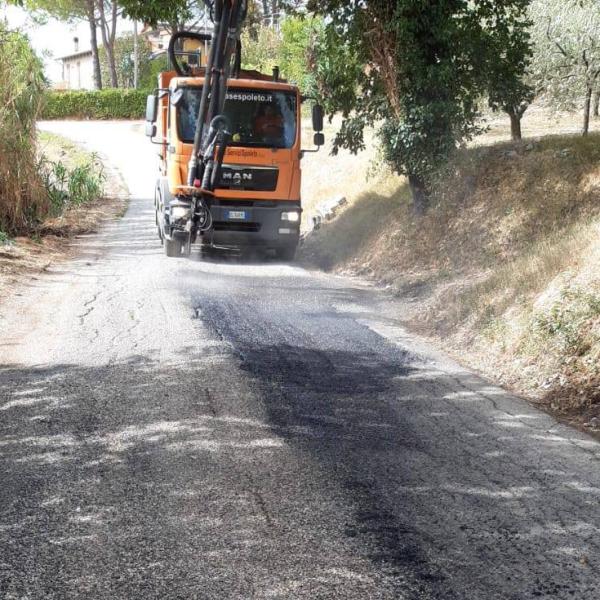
509,49
261,49
108,13
71,10
90,12
566,60
176,14
124,60
298,38
417,72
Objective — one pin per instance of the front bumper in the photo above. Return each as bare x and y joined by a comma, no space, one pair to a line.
262,224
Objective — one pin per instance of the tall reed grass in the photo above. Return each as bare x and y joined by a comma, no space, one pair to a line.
23,198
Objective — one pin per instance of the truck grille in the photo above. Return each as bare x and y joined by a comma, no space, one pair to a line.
243,227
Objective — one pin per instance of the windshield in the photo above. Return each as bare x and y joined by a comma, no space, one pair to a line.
263,119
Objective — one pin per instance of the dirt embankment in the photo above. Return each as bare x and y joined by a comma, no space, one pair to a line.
503,271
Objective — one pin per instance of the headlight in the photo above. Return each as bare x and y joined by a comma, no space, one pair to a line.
179,213
292,217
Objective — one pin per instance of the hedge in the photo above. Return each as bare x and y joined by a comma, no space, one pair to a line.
103,104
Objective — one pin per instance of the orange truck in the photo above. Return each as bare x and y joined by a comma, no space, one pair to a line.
230,169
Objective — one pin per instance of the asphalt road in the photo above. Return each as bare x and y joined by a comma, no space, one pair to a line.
175,428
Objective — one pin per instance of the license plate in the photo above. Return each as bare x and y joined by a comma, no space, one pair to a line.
238,215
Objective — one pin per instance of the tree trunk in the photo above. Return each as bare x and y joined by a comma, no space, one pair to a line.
596,104
420,194
274,15
108,38
136,54
586,110
515,125
265,5
91,17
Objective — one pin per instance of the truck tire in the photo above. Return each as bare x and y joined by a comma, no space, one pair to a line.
173,247
286,253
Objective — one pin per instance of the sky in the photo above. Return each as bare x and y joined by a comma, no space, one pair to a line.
53,40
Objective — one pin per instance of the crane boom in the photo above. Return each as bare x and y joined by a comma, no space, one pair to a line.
212,131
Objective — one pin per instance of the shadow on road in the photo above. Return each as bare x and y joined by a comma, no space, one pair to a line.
153,468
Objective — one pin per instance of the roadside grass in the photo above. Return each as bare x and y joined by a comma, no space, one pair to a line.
72,178
325,177
504,269
73,181
57,148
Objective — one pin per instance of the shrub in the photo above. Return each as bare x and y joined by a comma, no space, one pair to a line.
22,196
103,104
71,187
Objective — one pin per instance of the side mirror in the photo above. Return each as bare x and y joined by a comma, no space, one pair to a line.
319,139
317,117
151,108
150,129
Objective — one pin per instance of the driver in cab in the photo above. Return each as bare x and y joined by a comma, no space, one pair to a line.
268,123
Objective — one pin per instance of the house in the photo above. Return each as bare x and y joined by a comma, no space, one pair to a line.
160,36
77,69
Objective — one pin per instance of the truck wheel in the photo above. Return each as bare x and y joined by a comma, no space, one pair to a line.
172,248
287,253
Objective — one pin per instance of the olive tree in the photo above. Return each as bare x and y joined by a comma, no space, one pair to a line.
509,49
566,60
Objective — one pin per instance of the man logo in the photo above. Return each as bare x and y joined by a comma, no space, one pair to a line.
236,176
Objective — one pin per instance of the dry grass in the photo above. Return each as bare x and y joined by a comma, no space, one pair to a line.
505,264
325,177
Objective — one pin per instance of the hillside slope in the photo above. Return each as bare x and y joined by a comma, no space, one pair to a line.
503,271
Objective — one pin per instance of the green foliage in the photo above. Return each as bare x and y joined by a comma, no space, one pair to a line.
149,78
175,12
509,50
338,66
566,322
72,187
417,75
261,49
102,104
3,237
299,37
22,197
123,52
64,10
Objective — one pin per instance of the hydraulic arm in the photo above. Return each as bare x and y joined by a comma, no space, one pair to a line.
212,129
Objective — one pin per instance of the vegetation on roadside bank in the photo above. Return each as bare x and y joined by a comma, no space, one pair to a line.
23,198
503,270
33,187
